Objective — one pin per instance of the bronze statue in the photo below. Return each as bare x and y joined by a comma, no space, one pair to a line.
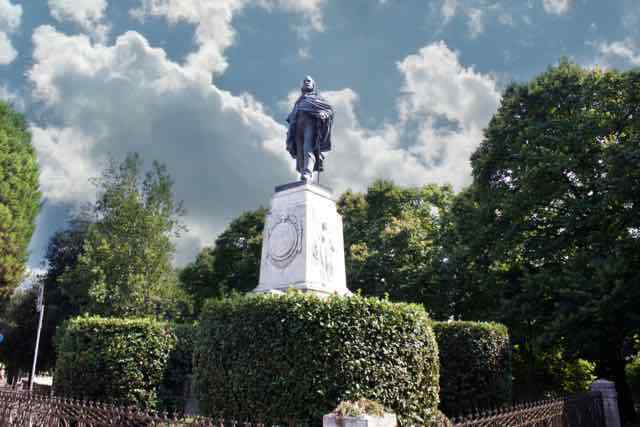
309,134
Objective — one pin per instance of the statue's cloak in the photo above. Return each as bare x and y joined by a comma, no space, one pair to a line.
313,104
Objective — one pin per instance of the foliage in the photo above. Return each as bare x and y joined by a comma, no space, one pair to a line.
119,361
125,267
237,252
198,279
293,357
633,374
233,264
475,365
391,235
549,373
177,374
546,239
19,330
358,408
19,198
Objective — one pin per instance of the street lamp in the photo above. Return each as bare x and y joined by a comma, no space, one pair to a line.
40,309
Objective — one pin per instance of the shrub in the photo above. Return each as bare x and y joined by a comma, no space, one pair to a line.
633,376
475,365
112,360
173,390
294,357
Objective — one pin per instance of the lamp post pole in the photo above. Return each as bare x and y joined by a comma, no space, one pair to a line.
40,309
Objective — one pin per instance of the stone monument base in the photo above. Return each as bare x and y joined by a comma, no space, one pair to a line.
302,244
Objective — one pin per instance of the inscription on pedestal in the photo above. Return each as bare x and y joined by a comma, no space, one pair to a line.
284,240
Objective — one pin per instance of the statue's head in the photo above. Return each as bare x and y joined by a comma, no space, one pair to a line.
308,85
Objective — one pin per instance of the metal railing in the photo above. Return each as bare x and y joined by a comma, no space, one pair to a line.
584,410
31,410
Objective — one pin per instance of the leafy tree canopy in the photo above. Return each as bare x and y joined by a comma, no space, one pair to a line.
19,198
125,266
553,236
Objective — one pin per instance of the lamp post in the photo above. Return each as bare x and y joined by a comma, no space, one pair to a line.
40,309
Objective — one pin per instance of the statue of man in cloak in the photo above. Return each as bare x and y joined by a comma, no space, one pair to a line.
309,134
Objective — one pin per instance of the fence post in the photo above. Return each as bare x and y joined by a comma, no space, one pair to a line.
607,390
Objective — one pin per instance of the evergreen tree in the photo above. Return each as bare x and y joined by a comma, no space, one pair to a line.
19,198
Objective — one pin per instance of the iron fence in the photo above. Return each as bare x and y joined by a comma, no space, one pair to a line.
584,410
31,410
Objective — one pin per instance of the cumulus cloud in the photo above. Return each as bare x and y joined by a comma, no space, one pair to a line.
619,54
214,32
475,22
220,148
477,13
87,14
10,18
557,7
225,151
11,97
441,113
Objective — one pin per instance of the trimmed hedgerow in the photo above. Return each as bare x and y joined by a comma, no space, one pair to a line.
475,365
112,360
292,358
173,390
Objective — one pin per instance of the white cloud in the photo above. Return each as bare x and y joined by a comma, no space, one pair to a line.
87,14
475,22
222,150
13,98
477,12
506,19
10,18
214,32
416,148
557,7
619,54
448,9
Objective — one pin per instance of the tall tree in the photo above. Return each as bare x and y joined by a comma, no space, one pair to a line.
557,179
391,241
125,266
63,251
232,264
19,198
20,322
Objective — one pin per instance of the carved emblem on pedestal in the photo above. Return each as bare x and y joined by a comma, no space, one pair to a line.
284,240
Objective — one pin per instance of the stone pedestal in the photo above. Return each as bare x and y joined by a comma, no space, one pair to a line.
609,401
302,244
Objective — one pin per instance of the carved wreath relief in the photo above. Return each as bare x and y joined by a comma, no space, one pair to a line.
285,240
324,253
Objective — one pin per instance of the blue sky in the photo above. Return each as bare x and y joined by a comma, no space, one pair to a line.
204,86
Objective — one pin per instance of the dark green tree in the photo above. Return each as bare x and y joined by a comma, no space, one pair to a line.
557,185
237,252
392,237
20,323
125,266
231,265
63,251
198,279
19,198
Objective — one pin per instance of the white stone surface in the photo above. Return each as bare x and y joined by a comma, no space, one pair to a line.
333,420
302,244
609,401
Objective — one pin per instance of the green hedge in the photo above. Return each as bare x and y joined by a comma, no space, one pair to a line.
475,365
112,360
174,387
292,358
